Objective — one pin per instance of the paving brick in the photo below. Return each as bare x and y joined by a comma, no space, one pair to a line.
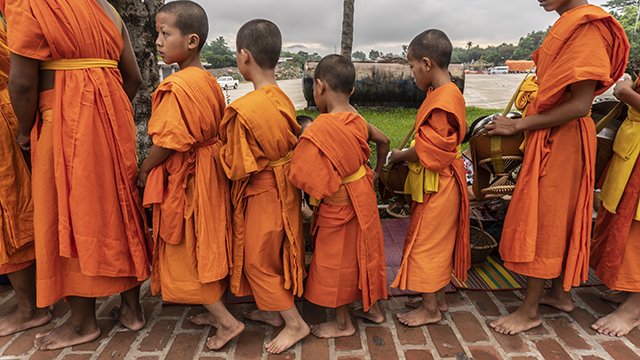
158,336
591,357
408,335
171,310
45,355
418,355
380,342
348,343
445,340
619,351
524,358
584,319
314,348
511,343
633,336
551,350
483,303
118,346
184,346
148,358
469,327
250,344
24,342
77,357
484,353
456,299
284,356
565,330
350,357
507,296
592,298
399,302
537,331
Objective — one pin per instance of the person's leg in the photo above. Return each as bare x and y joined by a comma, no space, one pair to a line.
427,313
26,315
375,315
130,313
228,327
527,316
81,327
295,329
341,326
558,298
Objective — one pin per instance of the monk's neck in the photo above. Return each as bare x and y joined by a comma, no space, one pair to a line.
262,78
338,103
441,79
570,5
192,60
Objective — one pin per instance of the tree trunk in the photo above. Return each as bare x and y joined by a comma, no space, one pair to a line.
139,17
347,28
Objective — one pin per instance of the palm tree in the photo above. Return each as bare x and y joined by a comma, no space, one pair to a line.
347,28
469,45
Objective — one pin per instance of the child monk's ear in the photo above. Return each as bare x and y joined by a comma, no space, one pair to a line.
321,86
427,63
353,89
194,41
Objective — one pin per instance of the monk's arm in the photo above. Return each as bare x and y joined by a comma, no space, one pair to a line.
578,106
24,80
382,146
404,155
624,92
131,78
157,155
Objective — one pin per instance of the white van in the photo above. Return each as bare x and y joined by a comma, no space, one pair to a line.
499,70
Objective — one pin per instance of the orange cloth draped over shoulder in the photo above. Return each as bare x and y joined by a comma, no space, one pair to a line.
16,206
438,236
348,263
258,134
90,235
189,191
548,223
615,247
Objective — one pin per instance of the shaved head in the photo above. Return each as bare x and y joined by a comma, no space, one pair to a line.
263,40
433,44
338,72
190,19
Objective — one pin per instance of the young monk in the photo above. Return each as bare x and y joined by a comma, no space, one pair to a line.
438,236
548,225
185,182
616,237
73,70
258,132
330,164
16,213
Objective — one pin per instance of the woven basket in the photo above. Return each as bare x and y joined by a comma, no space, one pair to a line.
482,245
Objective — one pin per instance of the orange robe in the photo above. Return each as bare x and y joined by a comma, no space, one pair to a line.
16,206
330,164
615,248
258,134
438,236
189,191
548,224
90,237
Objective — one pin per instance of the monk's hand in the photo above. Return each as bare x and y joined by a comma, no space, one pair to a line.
393,157
142,178
622,87
24,142
503,126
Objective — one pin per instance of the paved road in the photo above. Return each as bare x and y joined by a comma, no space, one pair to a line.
293,89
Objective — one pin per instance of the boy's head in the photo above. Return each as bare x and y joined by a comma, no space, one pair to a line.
333,74
182,30
428,54
258,43
303,121
561,5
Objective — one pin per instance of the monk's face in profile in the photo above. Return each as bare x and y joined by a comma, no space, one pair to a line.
173,46
421,68
561,6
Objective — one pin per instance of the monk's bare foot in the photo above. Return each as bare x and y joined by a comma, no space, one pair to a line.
516,323
443,305
417,302
559,301
288,337
268,317
132,320
66,335
374,315
19,320
224,335
333,330
618,323
413,303
204,319
420,316
614,296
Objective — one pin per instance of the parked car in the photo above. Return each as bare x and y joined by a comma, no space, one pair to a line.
499,70
227,82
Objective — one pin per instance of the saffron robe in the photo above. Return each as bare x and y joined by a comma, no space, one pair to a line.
189,190
258,132
348,262
90,237
548,224
438,236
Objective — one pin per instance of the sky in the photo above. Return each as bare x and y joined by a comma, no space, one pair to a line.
384,25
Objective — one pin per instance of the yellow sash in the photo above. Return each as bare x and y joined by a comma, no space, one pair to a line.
282,161
78,64
359,174
421,180
626,148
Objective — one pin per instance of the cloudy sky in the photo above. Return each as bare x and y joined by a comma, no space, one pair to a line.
382,24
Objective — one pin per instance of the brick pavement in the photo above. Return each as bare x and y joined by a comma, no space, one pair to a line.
463,334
